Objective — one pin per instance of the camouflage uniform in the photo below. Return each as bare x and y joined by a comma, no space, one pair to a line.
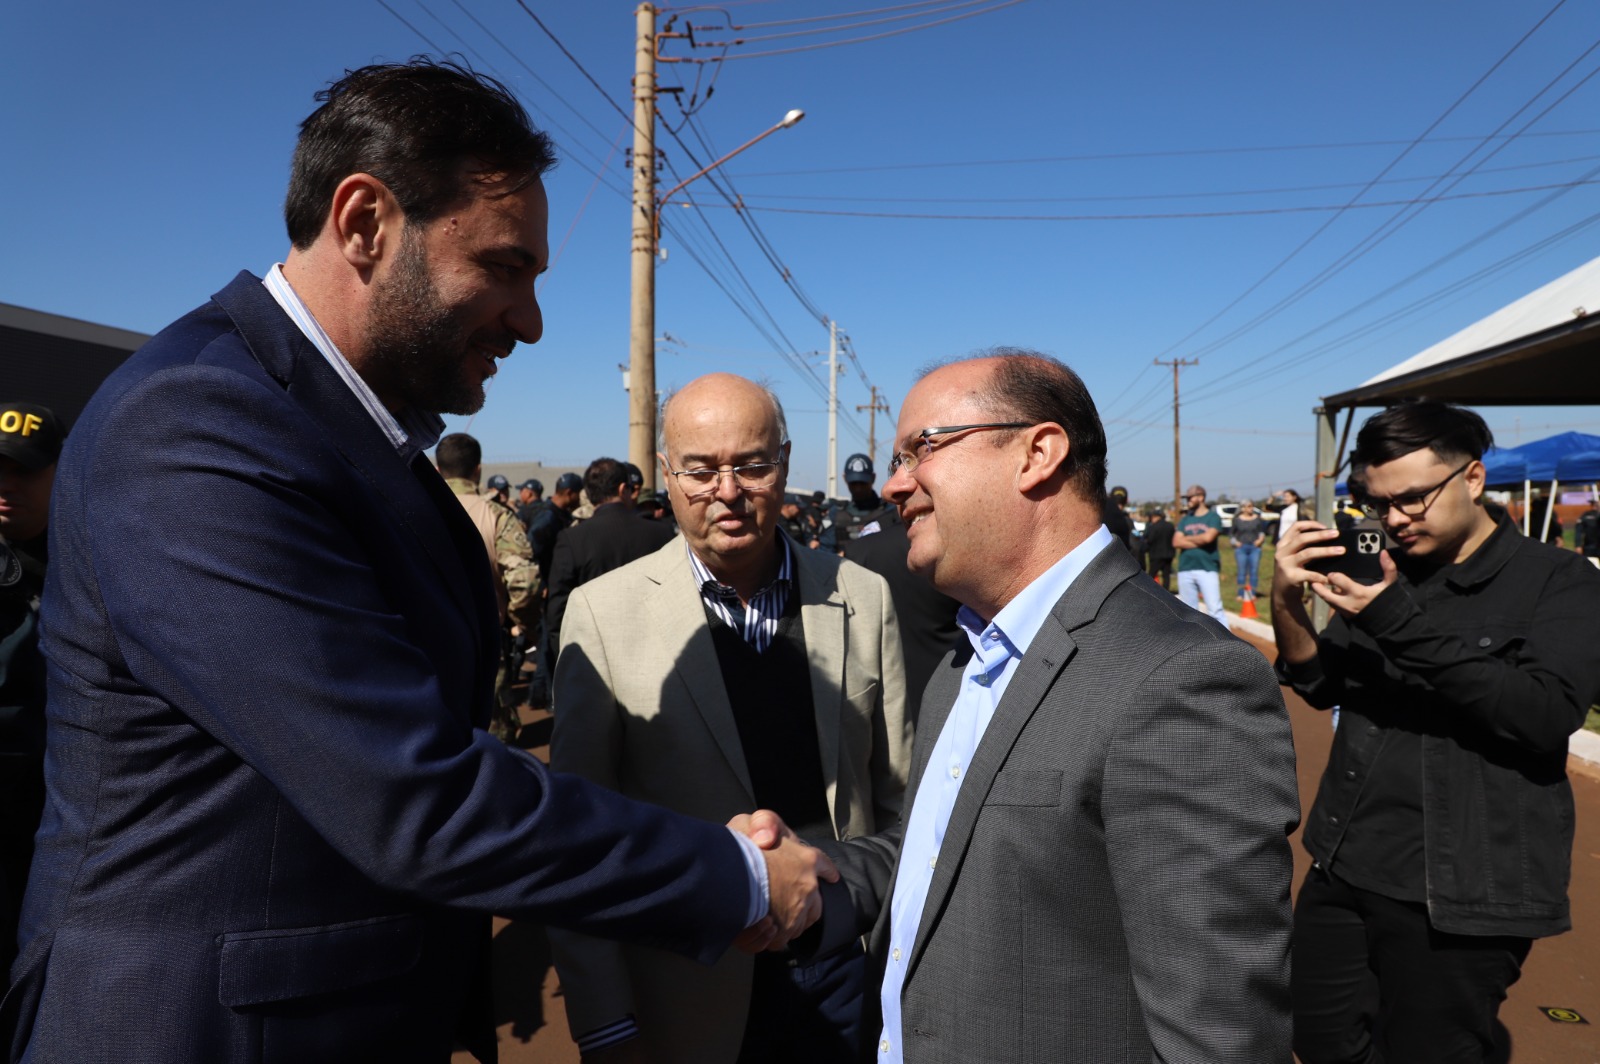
517,574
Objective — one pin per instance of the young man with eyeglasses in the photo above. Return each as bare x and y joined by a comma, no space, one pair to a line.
1442,830
728,670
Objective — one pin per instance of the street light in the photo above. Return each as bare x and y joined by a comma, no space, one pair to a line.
646,241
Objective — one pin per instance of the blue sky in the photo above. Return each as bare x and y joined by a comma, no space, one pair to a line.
146,150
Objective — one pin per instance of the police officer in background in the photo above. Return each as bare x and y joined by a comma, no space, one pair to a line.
30,442
862,511
530,500
500,488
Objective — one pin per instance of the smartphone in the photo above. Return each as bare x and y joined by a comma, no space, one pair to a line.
1362,545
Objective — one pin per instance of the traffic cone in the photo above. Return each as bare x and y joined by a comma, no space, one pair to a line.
1247,605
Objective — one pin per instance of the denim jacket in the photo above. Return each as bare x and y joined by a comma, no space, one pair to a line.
1495,662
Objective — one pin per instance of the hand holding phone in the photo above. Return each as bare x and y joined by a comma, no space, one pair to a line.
1363,544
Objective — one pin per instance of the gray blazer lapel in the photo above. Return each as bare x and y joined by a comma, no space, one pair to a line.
822,615
1048,655
674,606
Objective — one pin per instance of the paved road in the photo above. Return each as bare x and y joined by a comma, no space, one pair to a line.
1562,972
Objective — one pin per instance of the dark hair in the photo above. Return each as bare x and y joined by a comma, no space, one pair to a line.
604,479
1033,387
412,126
458,455
1453,433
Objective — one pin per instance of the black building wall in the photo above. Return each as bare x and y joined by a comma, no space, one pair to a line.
57,361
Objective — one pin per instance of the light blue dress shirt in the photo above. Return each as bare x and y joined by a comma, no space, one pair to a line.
997,647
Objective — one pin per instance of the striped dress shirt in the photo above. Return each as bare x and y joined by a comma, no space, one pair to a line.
757,620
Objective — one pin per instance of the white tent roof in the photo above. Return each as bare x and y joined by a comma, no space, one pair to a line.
1544,348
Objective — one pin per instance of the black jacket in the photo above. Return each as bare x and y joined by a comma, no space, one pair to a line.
1492,664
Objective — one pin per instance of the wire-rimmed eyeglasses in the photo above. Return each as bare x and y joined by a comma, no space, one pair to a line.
699,482
1413,504
923,444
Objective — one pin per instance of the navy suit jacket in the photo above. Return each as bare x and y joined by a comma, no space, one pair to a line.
275,828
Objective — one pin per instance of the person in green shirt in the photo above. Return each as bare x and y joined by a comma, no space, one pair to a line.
1200,566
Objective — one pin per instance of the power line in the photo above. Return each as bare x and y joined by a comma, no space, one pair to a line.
1157,154
1419,139
833,29
996,6
1130,197
813,18
1159,216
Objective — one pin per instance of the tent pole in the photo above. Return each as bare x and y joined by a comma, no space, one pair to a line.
1549,512
1527,505
1322,487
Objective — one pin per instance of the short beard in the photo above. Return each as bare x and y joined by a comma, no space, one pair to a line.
418,343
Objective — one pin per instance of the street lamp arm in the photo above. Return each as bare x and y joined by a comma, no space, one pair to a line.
788,120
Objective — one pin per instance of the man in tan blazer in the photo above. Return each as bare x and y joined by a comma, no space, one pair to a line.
732,669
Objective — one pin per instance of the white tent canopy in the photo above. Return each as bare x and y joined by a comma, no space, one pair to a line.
1540,350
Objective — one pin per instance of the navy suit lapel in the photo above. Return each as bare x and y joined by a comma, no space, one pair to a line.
285,353
1047,656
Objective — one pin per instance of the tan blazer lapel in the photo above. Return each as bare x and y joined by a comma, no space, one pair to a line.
822,614
675,606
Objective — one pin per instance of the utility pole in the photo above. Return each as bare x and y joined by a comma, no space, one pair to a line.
1177,457
642,322
833,409
872,409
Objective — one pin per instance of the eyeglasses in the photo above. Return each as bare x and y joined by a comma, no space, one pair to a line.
752,476
1414,504
923,445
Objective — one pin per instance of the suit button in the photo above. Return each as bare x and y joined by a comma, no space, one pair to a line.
1333,820
1350,775
1485,641
1372,729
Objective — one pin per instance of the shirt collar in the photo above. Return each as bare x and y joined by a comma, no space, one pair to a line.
413,432
1020,620
709,584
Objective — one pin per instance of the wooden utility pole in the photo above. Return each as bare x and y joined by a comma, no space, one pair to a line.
642,324
1177,456
872,409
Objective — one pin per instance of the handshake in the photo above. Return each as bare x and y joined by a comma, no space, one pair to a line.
795,873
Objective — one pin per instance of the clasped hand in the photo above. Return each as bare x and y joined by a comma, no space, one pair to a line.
795,873
1306,541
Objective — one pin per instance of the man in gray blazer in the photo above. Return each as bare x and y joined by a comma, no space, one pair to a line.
1093,865
729,670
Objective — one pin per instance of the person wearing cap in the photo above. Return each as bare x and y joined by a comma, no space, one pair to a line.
729,669
613,537
859,513
460,461
549,522
530,500
1200,564
30,442
500,488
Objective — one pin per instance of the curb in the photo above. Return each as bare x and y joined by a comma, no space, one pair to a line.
1583,747
1255,628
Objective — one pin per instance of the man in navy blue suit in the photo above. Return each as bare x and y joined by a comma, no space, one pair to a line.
275,827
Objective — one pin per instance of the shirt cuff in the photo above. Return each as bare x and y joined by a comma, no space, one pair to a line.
756,865
611,1034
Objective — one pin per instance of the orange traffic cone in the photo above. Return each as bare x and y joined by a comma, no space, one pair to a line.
1247,605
